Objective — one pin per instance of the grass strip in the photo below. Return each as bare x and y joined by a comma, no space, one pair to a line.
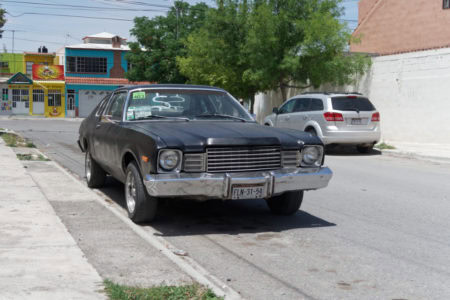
13,140
384,146
188,292
32,157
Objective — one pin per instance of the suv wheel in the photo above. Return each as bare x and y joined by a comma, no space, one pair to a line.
285,204
141,207
95,175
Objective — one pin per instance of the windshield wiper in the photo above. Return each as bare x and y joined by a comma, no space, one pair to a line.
161,117
220,116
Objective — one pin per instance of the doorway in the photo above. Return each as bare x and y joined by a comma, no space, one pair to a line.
38,102
20,101
71,103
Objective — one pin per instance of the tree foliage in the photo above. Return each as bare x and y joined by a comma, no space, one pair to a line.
250,46
2,20
160,40
215,51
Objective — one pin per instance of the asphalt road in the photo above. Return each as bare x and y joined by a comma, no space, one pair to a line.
380,230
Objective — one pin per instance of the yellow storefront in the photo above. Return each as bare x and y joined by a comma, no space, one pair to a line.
48,98
48,95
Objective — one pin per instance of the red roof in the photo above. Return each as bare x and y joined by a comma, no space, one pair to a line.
107,81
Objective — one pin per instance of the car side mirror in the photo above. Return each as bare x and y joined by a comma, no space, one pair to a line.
275,110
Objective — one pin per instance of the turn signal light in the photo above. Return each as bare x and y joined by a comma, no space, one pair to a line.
376,117
333,117
144,158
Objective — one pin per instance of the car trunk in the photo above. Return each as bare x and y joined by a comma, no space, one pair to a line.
356,111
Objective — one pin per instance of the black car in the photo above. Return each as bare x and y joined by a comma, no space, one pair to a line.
198,142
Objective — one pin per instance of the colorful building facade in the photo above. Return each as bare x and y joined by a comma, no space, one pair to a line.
94,69
10,64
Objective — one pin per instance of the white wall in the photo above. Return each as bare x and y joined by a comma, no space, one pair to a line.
411,91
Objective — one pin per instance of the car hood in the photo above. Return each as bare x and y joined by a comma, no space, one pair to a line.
194,136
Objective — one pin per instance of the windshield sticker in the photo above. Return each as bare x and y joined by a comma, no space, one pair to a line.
138,95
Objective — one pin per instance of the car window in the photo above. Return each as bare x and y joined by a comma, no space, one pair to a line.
101,105
302,104
316,105
348,103
287,107
115,106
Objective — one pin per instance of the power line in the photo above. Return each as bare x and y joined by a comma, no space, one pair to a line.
70,16
82,6
39,41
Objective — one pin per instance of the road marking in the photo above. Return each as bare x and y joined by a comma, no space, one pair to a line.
150,235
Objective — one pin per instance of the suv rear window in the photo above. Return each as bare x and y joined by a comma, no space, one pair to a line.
352,103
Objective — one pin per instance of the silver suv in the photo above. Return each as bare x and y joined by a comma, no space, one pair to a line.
337,118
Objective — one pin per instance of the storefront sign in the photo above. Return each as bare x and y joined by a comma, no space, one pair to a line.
43,72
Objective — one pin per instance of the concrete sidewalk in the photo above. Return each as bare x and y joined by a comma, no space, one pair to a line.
39,259
431,152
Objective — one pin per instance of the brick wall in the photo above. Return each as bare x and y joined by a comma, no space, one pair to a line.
398,26
117,71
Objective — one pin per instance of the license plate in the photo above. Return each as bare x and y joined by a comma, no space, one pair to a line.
356,121
241,191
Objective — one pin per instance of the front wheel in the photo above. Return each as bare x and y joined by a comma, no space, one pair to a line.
141,206
286,204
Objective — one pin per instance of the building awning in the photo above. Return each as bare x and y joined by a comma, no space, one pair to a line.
19,78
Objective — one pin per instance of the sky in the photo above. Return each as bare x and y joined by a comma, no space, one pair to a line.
35,24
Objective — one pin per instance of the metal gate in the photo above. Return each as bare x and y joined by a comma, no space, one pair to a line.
38,102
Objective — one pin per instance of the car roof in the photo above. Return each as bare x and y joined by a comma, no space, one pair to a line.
326,94
174,86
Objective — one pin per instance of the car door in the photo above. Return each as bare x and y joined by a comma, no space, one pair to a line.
299,115
107,132
284,114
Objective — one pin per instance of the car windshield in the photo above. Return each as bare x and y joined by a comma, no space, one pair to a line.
352,103
184,104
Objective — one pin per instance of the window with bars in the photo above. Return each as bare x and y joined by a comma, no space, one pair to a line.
79,64
29,70
446,4
19,95
54,98
4,64
5,94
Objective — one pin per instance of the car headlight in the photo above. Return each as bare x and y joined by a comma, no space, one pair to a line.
169,160
312,156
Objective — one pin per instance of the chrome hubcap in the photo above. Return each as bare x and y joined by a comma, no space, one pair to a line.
130,192
87,166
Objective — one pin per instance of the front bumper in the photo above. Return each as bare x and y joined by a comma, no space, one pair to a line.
203,186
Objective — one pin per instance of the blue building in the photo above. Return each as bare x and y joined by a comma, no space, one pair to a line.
92,70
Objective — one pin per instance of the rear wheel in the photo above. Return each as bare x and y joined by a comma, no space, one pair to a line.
364,149
95,175
141,207
286,204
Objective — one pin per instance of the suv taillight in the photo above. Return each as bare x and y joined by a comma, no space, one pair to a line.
333,117
376,117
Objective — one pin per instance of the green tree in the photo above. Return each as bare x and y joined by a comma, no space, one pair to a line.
246,47
306,43
2,20
215,55
160,40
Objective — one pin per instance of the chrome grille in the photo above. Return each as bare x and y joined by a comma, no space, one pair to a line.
194,162
240,159
290,158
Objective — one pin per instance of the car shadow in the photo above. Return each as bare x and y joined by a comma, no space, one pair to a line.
188,217
341,150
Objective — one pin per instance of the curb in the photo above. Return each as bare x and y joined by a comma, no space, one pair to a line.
414,155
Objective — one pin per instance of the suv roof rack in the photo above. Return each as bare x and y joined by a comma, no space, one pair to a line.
329,93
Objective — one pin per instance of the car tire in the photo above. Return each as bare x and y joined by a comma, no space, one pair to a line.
312,131
286,204
364,149
141,207
95,175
